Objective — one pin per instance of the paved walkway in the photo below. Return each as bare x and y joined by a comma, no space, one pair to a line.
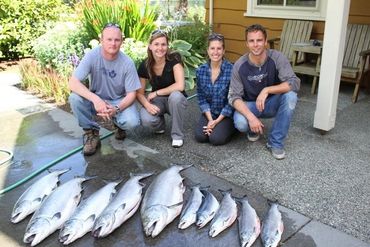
322,185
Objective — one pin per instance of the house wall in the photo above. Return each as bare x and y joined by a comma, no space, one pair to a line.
229,19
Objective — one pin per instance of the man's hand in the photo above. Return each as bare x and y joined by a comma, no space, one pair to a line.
255,125
261,99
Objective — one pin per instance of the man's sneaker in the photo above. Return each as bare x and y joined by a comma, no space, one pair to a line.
177,143
91,141
277,153
159,132
253,137
120,134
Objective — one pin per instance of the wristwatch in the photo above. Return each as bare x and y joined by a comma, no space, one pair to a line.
117,109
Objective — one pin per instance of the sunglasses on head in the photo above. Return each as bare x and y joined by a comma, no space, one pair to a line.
159,31
111,24
215,36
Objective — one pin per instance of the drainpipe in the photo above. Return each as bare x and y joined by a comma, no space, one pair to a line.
211,14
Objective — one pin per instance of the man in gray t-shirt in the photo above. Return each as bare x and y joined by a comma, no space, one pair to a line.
112,90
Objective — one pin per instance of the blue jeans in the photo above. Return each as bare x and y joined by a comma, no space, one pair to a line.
84,111
280,106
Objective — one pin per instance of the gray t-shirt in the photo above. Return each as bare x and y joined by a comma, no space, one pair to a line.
109,80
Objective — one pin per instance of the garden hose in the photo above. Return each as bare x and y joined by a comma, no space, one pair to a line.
52,163
10,156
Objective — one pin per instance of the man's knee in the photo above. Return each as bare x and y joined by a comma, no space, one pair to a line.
75,99
240,122
290,99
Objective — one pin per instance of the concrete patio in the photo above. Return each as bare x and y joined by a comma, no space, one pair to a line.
322,185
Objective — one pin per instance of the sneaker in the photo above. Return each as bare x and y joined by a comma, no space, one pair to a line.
277,153
91,142
253,137
120,134
177,143
159,132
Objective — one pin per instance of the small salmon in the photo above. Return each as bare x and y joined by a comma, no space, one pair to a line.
249,224
189,214
272,227
225,215
208,209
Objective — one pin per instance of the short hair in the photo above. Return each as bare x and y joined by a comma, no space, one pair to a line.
255,28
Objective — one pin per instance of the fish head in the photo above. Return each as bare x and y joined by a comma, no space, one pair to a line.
185,222
36,231
202,220
20,211
154,220
216,228
272,240
103,225
248,237
70,230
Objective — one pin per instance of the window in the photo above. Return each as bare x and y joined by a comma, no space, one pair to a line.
287,9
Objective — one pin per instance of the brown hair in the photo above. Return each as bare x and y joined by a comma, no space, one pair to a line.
255,28
150,60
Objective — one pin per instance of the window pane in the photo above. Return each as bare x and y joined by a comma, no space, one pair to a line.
270,2
303,3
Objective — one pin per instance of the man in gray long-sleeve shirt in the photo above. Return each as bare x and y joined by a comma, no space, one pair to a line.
263,85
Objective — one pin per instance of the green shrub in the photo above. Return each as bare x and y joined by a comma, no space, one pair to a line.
136,50
195,34
61,47
23,21
136,19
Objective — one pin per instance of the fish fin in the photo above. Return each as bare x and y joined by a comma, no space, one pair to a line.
241,199
57,216
182,166
175,205
224,192
91,218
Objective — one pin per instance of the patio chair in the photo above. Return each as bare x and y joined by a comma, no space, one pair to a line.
356,56
294,31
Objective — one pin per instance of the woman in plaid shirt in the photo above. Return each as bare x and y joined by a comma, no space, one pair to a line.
215,124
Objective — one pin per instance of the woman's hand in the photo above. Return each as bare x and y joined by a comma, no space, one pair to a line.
152,95
152,109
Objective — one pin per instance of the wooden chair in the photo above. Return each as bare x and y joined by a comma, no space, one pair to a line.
356,56
294,31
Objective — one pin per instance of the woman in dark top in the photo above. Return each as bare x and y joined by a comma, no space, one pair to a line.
215,124
164,71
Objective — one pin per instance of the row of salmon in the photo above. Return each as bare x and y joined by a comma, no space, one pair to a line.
105,210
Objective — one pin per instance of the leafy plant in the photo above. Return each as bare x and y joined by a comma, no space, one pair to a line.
47,82
23,21
191,60
61,47
136,50
135,19
195,34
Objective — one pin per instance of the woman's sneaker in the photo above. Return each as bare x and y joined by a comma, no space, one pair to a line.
177,143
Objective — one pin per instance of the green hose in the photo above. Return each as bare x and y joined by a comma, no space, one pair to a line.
10,156
50,164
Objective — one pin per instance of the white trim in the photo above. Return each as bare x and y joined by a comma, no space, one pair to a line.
287,12
331,64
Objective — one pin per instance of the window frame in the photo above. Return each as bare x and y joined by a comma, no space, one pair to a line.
287,12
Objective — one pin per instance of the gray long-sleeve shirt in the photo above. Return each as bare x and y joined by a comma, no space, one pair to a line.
248,80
